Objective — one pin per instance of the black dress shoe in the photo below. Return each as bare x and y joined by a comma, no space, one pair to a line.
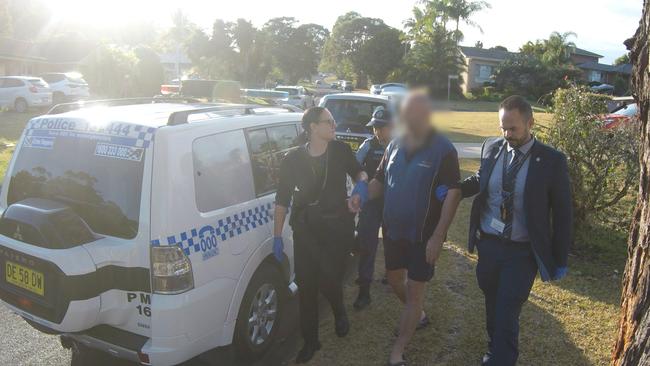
363,299
341,325
307,352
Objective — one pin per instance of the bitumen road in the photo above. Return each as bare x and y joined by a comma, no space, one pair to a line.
470,150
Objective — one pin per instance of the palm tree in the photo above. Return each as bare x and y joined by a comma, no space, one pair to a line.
463,10
558,48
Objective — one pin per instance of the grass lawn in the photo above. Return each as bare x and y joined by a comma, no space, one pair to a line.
476,126
571,322
11,127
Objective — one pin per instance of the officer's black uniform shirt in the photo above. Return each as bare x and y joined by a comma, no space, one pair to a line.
301,179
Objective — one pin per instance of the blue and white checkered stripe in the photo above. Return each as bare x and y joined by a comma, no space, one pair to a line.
224,229
143,135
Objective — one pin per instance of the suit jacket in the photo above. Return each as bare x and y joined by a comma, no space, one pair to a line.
547,203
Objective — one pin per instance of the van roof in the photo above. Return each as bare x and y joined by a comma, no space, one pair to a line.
155,115
357,96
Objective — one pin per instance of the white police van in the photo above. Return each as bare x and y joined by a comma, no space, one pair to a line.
145,230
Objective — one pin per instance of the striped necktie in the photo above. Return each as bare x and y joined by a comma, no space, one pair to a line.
508,188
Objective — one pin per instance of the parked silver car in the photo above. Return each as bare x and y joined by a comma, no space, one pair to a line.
21,92
67,86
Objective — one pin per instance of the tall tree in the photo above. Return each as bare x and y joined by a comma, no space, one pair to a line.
633,340
381,54
5,19
350,32
558,48
621,60
296,50
28,18
463,10
434,54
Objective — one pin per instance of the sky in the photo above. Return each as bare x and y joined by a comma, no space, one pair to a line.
601,26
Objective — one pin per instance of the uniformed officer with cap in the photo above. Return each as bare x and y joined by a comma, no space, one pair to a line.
369,156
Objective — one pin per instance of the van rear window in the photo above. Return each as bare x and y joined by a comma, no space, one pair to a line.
101,182
351,114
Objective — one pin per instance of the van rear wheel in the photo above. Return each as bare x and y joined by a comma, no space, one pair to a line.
260,312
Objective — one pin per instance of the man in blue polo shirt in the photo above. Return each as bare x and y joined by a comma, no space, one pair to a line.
415,166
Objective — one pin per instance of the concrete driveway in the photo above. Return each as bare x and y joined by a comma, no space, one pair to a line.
468,150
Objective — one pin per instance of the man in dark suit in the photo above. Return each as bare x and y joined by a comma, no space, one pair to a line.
521,223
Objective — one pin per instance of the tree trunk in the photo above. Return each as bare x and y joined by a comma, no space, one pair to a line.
633,339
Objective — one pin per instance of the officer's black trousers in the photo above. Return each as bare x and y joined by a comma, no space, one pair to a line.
320,250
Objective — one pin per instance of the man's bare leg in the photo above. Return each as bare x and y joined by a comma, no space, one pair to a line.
410,318
397,281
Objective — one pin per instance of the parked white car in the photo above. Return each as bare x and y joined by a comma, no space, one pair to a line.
298,96
352,111
67,86
130,250
22,92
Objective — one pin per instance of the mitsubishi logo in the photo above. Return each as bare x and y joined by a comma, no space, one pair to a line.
349,130
17,235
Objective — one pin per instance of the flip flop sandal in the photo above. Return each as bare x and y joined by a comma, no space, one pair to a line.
399,363
424,322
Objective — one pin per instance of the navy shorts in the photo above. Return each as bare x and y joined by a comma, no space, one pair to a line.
403,254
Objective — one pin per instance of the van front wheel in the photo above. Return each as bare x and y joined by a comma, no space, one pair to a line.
260,312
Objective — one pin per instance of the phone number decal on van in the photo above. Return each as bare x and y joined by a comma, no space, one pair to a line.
119,151
39,142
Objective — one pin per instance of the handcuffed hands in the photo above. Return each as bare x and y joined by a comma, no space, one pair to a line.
359,196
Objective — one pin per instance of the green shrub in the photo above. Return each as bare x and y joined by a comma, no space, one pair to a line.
603,164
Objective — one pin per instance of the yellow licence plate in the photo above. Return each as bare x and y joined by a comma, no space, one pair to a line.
24,277
353,145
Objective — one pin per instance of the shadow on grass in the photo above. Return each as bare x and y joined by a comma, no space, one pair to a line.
596,264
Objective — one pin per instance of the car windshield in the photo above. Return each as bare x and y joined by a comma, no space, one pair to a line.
629,110
75,78
352,115
38,82
291,91
85,174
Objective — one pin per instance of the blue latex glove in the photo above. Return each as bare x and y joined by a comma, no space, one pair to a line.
361,188
278,248
560,273
441,192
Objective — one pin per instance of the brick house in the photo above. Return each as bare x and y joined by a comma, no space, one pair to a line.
481,64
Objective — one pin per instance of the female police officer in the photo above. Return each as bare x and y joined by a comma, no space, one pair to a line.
323,227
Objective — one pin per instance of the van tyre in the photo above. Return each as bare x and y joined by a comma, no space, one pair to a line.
20,105
260,313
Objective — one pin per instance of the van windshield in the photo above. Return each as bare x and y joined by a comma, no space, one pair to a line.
99,181
352,115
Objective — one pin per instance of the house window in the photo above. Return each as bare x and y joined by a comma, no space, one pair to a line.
595,76
484,73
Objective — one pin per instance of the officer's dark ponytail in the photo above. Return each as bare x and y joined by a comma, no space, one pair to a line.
311,115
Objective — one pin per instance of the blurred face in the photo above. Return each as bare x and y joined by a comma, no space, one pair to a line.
515,126
325,127
415,115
